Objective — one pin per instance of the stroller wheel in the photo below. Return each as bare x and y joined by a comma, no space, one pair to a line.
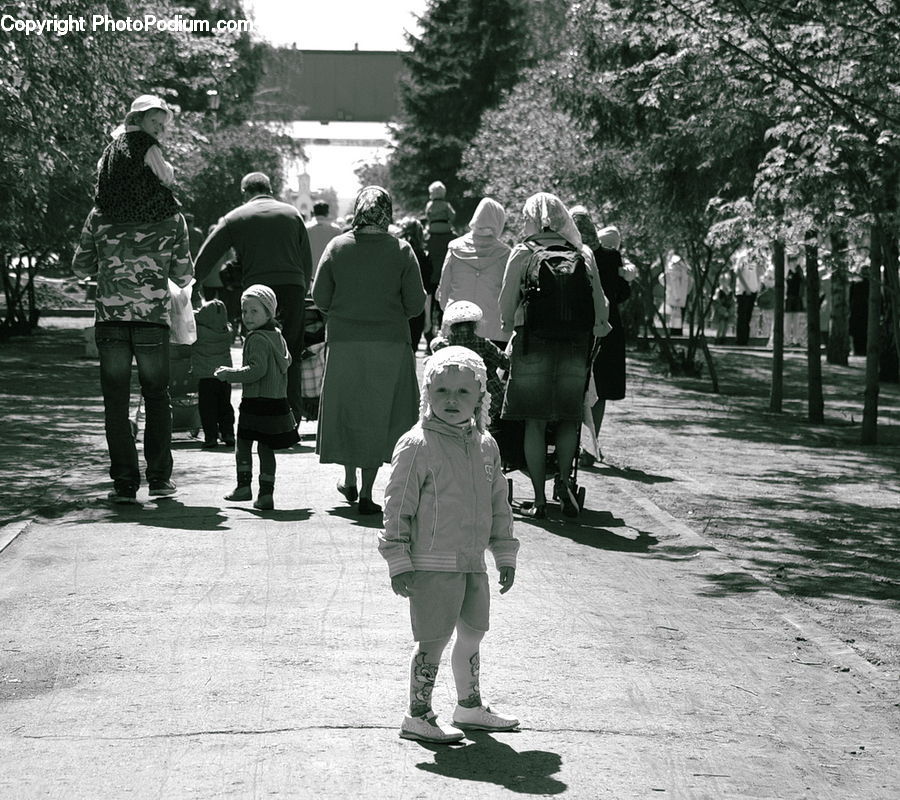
580,497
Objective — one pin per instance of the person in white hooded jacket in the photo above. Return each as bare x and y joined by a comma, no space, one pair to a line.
474,266
445,504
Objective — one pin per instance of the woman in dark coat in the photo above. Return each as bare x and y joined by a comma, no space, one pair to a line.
609,365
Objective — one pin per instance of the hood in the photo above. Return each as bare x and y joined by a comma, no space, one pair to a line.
279,348
212,315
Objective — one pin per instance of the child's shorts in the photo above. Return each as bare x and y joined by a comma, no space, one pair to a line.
440,599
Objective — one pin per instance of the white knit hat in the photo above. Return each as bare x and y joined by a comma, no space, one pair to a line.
265,296
462,311
463,358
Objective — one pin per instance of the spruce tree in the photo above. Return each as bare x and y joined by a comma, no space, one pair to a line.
469,53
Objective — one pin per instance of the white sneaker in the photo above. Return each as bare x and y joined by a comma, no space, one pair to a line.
482,718
427,729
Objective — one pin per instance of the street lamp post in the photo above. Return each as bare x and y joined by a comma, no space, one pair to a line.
212,102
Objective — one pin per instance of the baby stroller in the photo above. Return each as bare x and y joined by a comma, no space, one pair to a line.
510,436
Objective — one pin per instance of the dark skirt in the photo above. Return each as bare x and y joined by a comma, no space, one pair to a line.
609,366
267,421
547,379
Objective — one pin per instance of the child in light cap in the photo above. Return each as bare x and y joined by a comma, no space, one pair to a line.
458,328
265,415
133,177
448,461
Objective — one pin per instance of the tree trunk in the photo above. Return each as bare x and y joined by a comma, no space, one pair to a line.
892,281
873,349
838,349
777,390
814,400
710,364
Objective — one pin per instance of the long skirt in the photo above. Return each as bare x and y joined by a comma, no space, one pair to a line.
370,398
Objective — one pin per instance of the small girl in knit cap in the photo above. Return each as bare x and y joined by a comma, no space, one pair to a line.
133,177
265,415
448,462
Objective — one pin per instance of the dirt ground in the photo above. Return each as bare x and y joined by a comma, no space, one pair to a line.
804,508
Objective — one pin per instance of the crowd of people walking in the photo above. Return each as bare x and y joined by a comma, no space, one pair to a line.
532,313
514,334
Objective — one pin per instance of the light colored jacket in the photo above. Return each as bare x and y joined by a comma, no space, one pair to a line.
473,271
446,502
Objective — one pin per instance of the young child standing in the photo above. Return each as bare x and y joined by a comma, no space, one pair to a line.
133,177
211,351
460,321
448,462
265,415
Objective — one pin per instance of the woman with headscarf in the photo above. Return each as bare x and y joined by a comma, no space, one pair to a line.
473,269
615,277
547,376
368,286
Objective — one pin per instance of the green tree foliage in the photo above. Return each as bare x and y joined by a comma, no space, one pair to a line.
211,180
559,158
469,53
61,96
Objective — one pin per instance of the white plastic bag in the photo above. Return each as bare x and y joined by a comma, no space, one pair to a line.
183,329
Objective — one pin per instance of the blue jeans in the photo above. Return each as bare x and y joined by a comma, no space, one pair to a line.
119,344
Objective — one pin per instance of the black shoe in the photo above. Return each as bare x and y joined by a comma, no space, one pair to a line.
122,497
567,500
350,492
366,506
209,444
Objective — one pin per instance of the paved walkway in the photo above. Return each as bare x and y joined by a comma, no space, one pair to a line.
192,647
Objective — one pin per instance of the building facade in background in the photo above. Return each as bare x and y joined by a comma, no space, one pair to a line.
337,105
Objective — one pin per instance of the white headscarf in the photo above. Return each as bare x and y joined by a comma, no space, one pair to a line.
488,219
483,237
545,210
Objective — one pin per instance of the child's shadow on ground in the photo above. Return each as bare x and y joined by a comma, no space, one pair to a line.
490,761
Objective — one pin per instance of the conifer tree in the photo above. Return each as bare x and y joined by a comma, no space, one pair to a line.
469,53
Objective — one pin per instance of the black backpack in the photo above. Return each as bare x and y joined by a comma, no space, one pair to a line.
558,297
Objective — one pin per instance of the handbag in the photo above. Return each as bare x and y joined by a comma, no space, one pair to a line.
182,328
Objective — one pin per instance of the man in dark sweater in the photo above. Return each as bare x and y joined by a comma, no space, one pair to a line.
272,247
